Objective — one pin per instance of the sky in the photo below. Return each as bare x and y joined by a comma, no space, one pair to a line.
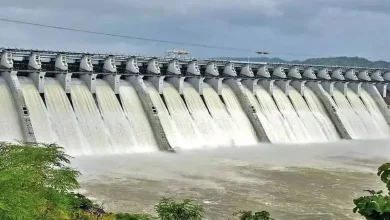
288,29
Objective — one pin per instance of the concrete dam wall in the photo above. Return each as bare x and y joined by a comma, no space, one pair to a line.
103,104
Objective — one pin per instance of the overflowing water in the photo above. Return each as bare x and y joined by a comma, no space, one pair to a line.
295,123
352,121
136,114
211,134
38,114
10,129
220,115
64,121
166,121
188,131
310,122
246,133
373,130
274,135
122,133
271,111
320,113
89,118
375,112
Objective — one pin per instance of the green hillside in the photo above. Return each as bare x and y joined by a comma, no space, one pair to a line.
333,61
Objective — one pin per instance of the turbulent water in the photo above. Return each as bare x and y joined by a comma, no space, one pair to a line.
10,129
122,133
89,118
64,121
375,112
188,131
38,114
369,122
312,125
352,121
246,133
271,111
163,114
211,135
137,117
319,111
301,134
220,115
313,181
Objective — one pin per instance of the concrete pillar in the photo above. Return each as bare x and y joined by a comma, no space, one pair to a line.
158,82
39,80
299,86
382,89
216,83
356,87
114,81
248,108
330,107
151,112
384,108
342,86
250,84
90,81
24,113
268,85
284,85
328,86
197,83
178,83
65,80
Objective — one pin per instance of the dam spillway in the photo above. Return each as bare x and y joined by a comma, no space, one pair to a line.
104,104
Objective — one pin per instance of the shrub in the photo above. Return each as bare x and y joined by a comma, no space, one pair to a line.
376,205
168,209
248,215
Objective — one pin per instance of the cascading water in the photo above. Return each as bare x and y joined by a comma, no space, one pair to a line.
275,118
246,133
163,114
220,115
274,135
351,120
295,123
64,121
134,111
211,134
38,114
319,112
376,113
89,118
312,126
10,129
122,133
369,122
189,133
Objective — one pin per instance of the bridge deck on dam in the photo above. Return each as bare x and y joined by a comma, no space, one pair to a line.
95,104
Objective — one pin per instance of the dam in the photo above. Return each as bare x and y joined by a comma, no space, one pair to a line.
93,104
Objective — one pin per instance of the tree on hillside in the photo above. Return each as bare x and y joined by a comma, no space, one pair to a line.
376,206
35,180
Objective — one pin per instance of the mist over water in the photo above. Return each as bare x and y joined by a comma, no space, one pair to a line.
311,181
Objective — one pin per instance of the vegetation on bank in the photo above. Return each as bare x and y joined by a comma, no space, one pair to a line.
37,182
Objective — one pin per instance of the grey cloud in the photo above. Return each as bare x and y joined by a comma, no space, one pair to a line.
328,27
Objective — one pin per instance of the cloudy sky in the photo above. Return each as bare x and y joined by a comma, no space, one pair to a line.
290,29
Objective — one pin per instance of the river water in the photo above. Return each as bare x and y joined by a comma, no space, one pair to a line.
314,181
